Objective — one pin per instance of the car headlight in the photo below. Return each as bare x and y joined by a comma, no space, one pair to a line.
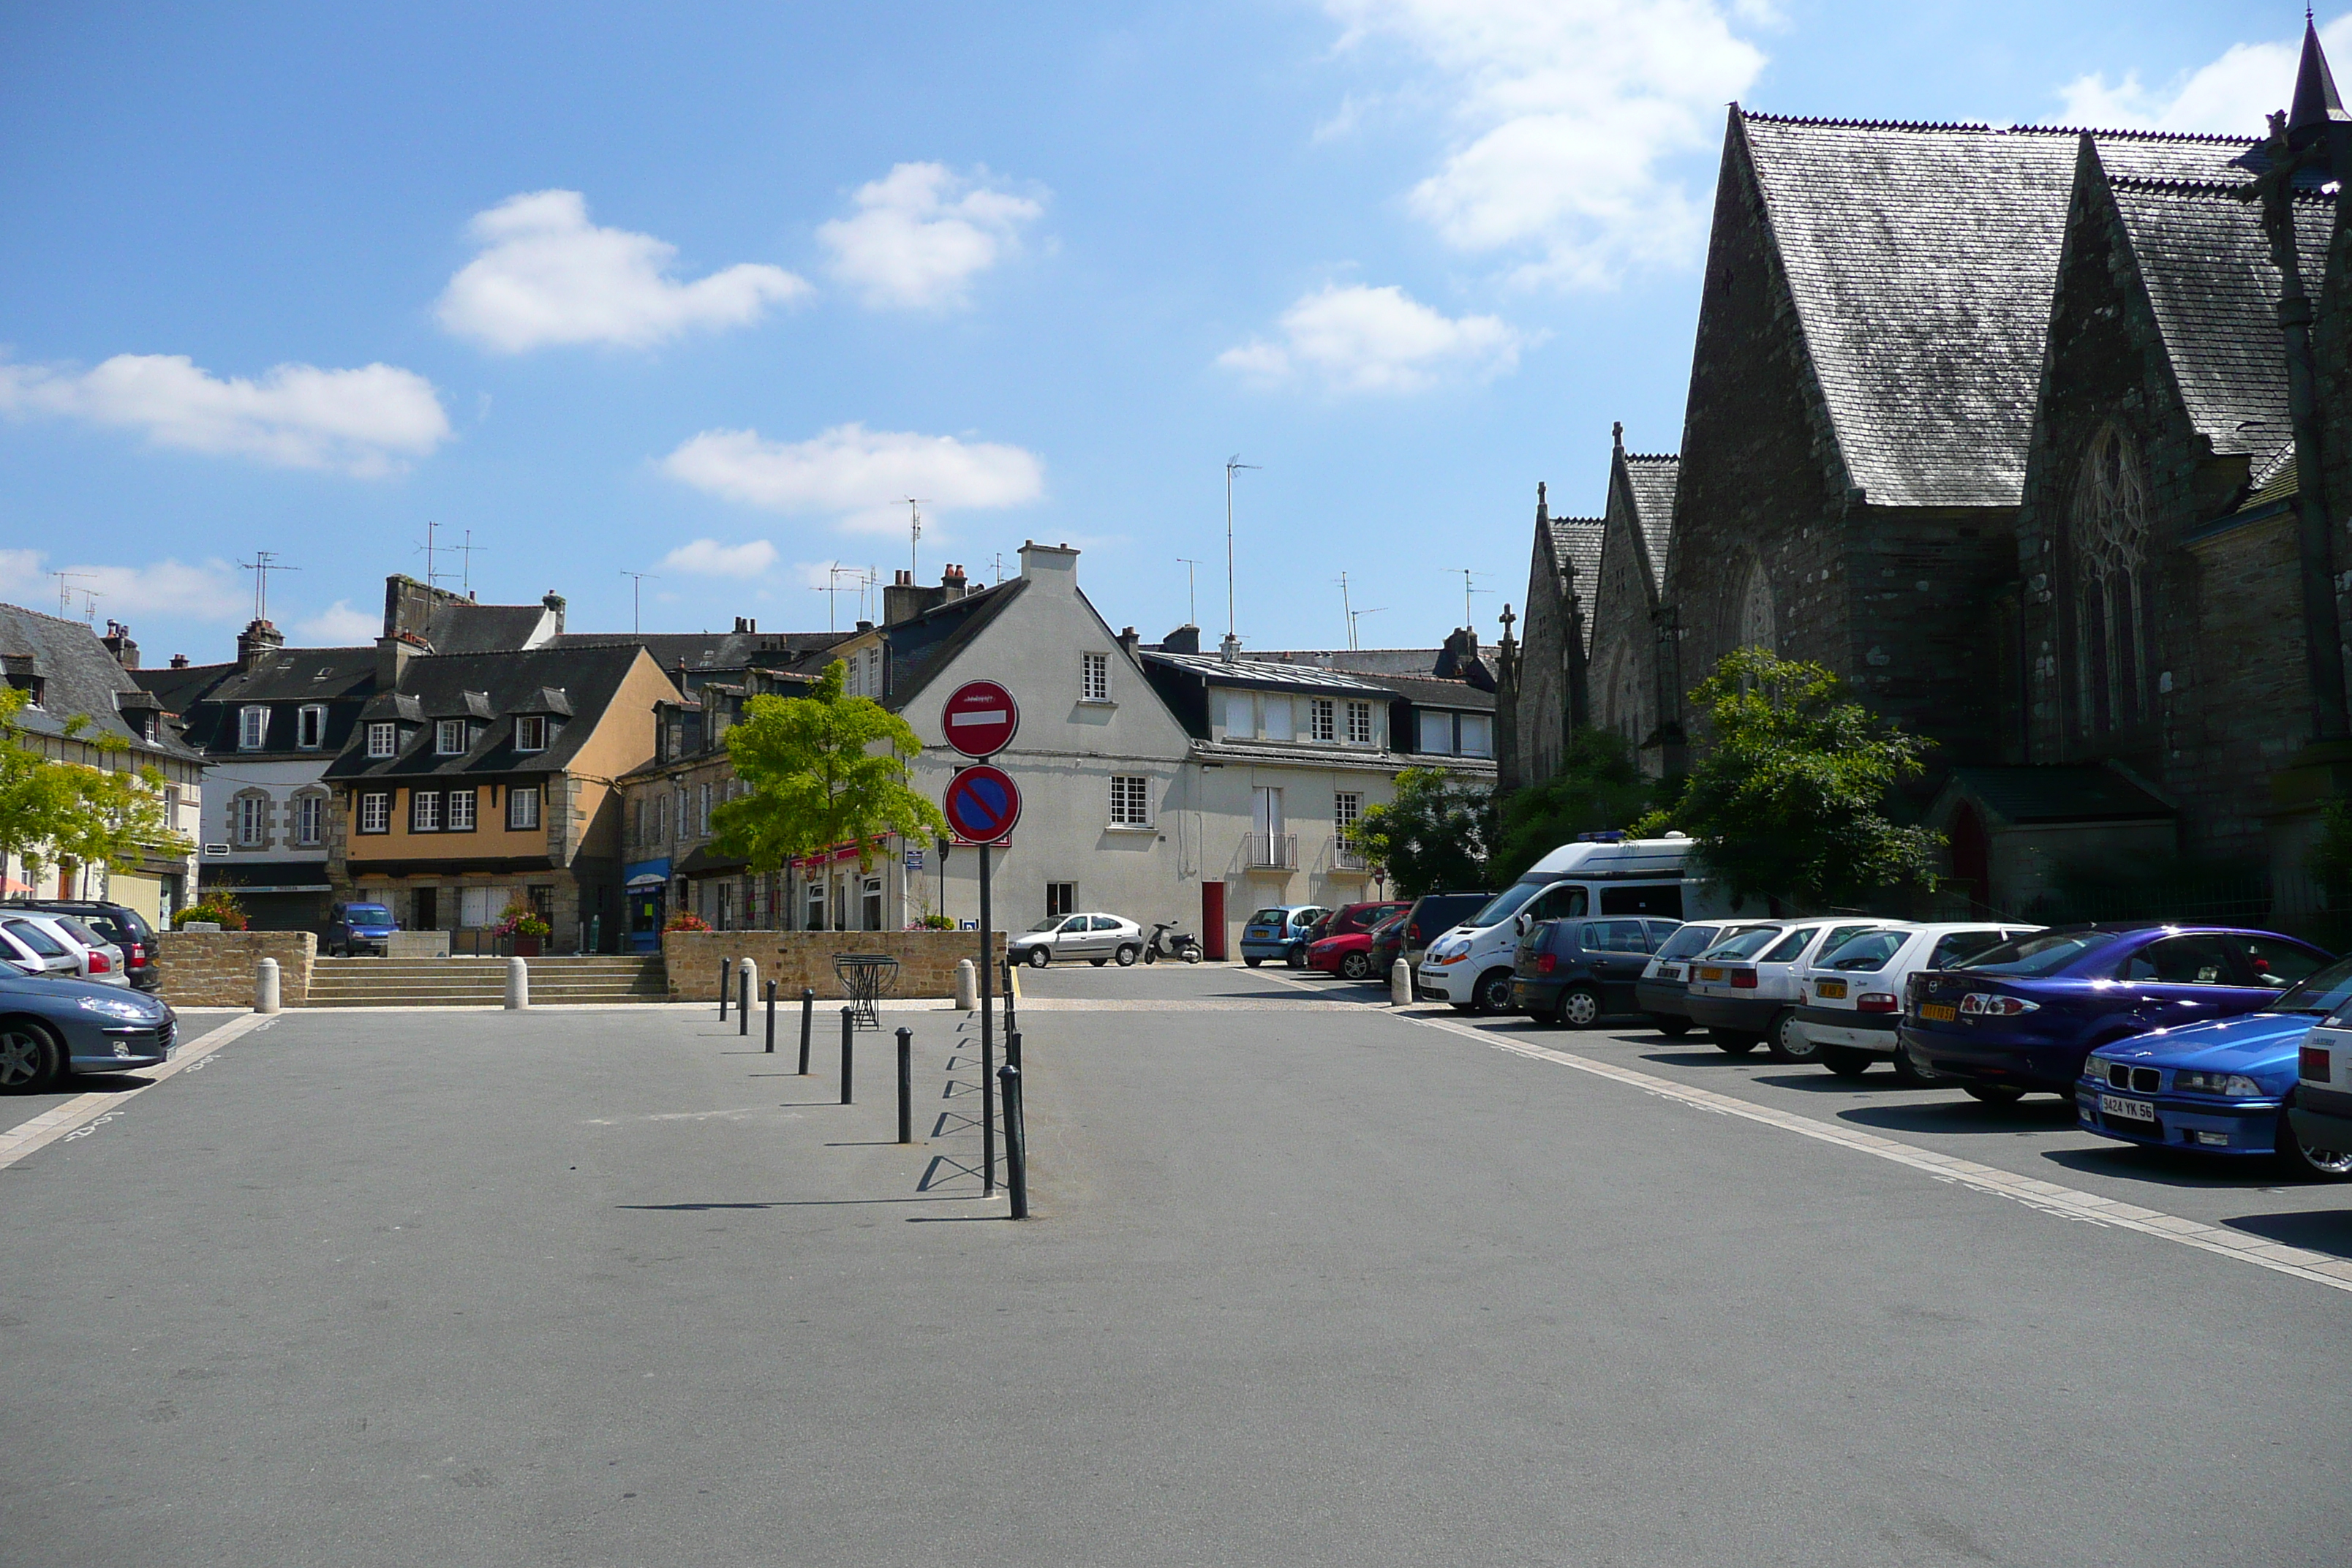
117,1008
2096,1069
2229,1085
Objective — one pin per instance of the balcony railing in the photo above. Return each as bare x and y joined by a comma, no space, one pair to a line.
1271,851
1346,857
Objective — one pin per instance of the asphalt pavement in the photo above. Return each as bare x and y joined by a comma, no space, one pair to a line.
1308,1282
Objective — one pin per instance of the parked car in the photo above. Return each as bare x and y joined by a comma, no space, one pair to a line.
49,1028
1851,997
2021,1018
120,924
1660,991
1349,955
354,928
1389,944
95,958
1432,916
1575,972
1745,992
2321,1114
1279,931
1097,938
35,953
2221,1089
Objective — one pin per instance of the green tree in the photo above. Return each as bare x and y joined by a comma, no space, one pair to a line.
53,811
819,769
1599,787
1789,800
1436,834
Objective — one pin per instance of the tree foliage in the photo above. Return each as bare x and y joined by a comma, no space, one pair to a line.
1599,787
1791,799
53,811
819,769
1435,835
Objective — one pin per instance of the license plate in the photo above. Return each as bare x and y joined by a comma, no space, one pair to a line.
2128,1109
1829,988
1940,1012
1710,975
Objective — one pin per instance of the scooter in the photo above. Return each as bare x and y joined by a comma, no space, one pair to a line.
1171,948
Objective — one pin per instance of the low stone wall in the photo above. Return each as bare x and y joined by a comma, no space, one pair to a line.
927,959
215,969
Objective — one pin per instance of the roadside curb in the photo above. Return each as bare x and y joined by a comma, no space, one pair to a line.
45,1128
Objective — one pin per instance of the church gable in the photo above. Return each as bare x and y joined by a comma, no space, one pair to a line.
1634,532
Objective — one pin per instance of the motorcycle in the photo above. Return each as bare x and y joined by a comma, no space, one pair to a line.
1164,945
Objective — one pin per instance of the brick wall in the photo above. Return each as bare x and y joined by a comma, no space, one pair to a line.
927,959
215,969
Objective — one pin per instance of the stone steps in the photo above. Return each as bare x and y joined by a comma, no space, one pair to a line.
555,981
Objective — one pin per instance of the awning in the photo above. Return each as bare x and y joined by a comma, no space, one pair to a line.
648,879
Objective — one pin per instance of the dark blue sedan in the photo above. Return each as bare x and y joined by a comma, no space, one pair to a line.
2022,1017
50,1029
2219,1088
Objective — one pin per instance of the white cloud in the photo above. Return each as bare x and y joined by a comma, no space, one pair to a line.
1358,339
546,274
921,233
1563,112
2231,95
366,422
209,590
858,475
709,558
339,625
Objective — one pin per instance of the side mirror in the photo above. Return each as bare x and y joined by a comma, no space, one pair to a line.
1520,923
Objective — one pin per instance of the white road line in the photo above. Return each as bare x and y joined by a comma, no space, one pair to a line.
84,1109
2047,1196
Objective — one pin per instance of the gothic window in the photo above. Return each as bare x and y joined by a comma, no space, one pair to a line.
1758,627
2108,532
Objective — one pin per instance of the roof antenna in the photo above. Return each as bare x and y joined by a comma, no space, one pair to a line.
466,552
1232,463
637,587
914,533
263,563
1192,599
66,590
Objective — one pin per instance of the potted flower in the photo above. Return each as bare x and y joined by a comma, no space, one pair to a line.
686,919
521,926
219,906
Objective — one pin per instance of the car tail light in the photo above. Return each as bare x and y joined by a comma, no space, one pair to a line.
1743,980
139,956
1878,1002
101,964
1545,964
1992,1004
2311,1063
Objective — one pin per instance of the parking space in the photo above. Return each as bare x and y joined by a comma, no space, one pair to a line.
16,1110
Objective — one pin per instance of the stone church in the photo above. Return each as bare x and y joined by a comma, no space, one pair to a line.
2043,440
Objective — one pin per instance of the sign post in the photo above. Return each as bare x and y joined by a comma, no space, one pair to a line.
983,804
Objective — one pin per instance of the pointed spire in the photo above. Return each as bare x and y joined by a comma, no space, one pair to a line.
2317,109
1541,515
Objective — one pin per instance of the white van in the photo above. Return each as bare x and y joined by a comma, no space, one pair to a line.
1470,966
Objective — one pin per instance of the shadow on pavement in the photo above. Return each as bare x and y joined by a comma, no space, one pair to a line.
2168,1167
1966,1116
2329,1232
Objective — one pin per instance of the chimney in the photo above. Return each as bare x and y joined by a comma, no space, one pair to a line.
258,641
118,643
554,603
902,601
744,625
1229,650
392,655
1185,639
951,585
1128,641
1054,564
179,661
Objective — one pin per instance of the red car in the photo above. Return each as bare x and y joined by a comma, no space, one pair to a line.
1350,956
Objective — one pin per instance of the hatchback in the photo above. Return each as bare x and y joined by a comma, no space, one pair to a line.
34,952
1350,954
1279,931
120,924
2021,1018
95,958
357,929
1576,971
1745,991
1853,995
1660,991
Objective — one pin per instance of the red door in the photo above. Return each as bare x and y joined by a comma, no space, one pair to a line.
1212,919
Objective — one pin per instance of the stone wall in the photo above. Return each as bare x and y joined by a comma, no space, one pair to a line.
927,959
215,969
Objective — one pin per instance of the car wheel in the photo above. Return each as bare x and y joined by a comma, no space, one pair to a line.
1295,957
1732,1043
1993,1093
1787,1039
1039,958
1253,963
1493,992
1845,1060
1908,1070
1128,955
29,1059
2306,1159
1357,965
1579,1008
1672,1028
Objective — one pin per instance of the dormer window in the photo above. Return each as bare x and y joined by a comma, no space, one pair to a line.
252,729
449,738
311,727
530,733
1322,720
1360,723
383,739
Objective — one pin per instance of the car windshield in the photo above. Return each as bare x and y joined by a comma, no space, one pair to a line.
1869,950
2318,995
1747,945
1505,904
2045,953
1688,941
79,931
367,915
109,928
1269,917
1051,922
37,939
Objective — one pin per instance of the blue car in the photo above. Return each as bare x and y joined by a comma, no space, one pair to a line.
51,1030
357,928
2221,1087
2021,1018
1280,932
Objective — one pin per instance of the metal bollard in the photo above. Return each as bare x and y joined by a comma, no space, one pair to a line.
746,974
1017,1141
1013,1048
726,966
518,984
264,986
967,983
906,1085
808,1017
1009,1022
1400,985
848,1028
772,1018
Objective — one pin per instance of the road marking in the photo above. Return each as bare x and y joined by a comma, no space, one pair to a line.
84,1113
2065,1202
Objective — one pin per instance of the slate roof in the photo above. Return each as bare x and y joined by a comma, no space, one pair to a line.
923,646
1922,260
1268,675
78,676
710,650
1651,478
1373,661
498,685
2089,792
340,677
2206,263
1575,548
180,689
1427,692
463,626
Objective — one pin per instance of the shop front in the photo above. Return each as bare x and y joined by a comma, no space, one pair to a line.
645,891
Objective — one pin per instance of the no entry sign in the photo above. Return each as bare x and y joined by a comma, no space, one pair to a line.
980,719
982,803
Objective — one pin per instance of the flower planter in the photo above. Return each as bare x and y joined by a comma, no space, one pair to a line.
525,946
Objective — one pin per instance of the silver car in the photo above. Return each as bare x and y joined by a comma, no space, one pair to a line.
1097,938
96,959
34,953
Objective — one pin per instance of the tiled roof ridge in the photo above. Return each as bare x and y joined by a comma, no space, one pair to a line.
2129,133
1845,125
1595,521
1654,457
2203,188
2109,133
59,620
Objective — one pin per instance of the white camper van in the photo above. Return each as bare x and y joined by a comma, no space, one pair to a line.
1470,965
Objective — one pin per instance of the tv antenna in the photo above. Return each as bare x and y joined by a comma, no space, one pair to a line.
831,588
263,563
1346,609
1192,599
914,531
466,552
637,587
1355,616
89,598
1469,617
1231,464
431,548
66,589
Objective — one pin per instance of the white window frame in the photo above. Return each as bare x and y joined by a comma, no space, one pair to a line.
1347,810
1360,732
461,805
1094,677
424,811
522,808
443,730
252,728
1131,800
382,738
375,811
530,733
1322,718
1242,706
252,821
309,821
309,727
1463,724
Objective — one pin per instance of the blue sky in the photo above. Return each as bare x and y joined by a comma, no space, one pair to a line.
702,291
